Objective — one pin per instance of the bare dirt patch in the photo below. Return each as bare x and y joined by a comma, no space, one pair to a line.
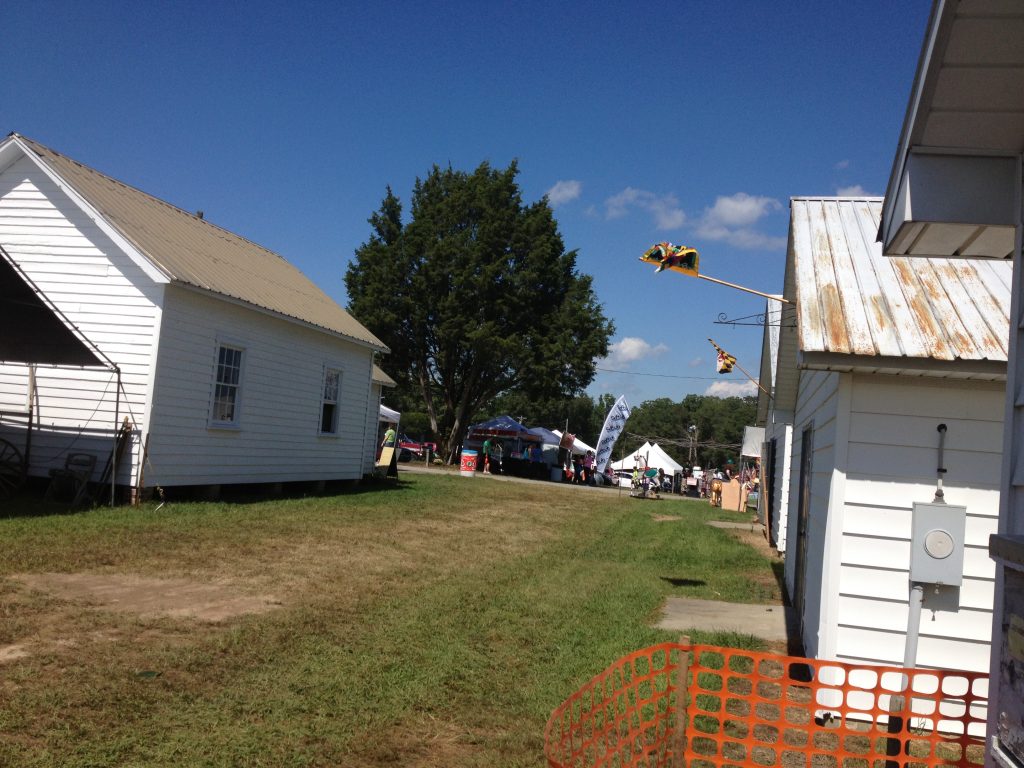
149,597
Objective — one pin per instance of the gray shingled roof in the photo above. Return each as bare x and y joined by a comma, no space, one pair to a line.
192,251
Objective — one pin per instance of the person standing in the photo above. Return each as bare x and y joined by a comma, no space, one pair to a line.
486,450
588,468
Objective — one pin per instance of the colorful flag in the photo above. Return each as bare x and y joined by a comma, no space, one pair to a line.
725,360
613,425
678,257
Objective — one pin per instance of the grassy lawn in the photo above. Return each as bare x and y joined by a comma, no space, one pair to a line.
436,622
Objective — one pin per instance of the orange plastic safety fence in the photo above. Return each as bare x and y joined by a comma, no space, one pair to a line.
744,708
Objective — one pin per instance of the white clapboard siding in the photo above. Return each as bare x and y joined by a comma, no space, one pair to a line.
892,554
99,289
890,493
934,652
817,407
858,580
783,436
891,615
895,523
891,463
938,400
277,438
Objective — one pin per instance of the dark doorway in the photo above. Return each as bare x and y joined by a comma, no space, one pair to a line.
803,512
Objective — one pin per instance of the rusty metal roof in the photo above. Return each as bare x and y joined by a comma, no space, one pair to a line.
191,250
852,300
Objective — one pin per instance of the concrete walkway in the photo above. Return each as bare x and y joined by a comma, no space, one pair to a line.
771,622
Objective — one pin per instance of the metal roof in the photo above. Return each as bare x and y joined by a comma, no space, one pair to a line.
192,251
379,377
852,300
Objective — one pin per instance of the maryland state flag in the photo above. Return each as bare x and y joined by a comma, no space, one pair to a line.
679,258
725,360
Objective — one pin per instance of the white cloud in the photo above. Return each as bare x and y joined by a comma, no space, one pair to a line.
630,349
564,191
740,210
732,219
697,362
853,191
842,165
665,208
732,389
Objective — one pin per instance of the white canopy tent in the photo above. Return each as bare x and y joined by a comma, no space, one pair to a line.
388,415
654,457
662,460
578,446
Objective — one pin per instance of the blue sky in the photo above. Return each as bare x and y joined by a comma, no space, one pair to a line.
693,122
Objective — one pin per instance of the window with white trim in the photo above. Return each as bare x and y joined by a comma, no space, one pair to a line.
227,386
329,402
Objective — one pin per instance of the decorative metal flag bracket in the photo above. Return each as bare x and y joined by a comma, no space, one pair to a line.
761,319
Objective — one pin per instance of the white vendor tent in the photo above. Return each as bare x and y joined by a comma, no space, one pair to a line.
578,446
753,437
388,415
661,460
654,457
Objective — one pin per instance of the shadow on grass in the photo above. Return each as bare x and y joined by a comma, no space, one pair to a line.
676,582
31,500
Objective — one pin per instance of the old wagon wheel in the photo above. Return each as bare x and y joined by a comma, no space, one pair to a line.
12,469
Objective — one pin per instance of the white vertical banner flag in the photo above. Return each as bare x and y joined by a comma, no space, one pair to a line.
613,425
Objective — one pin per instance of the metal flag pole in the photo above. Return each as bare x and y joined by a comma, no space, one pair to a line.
742,369
772,296
756,382
685,260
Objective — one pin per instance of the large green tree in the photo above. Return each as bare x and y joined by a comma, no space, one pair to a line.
476,296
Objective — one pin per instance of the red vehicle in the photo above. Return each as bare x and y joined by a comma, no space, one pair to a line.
409,449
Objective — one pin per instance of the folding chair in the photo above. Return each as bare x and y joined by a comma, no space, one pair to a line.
71,484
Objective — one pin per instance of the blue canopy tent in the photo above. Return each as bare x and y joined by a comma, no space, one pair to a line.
499,426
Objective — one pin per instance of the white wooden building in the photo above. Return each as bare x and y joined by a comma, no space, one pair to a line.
877,354
956,190
778,428
230,364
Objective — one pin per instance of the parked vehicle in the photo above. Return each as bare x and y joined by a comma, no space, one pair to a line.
409,449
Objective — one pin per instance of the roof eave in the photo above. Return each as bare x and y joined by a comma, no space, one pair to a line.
988,370
939,25
378,347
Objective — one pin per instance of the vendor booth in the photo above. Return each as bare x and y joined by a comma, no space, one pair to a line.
512,448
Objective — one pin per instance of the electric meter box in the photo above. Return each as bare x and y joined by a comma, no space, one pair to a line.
937,544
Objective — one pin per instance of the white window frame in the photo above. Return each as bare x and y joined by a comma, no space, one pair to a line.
324,401
216,383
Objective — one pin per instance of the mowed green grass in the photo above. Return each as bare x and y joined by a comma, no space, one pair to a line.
433,622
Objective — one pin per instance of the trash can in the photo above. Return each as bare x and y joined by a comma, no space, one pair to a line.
467,467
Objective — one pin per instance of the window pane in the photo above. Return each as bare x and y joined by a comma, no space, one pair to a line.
331,381
225,393
327,423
